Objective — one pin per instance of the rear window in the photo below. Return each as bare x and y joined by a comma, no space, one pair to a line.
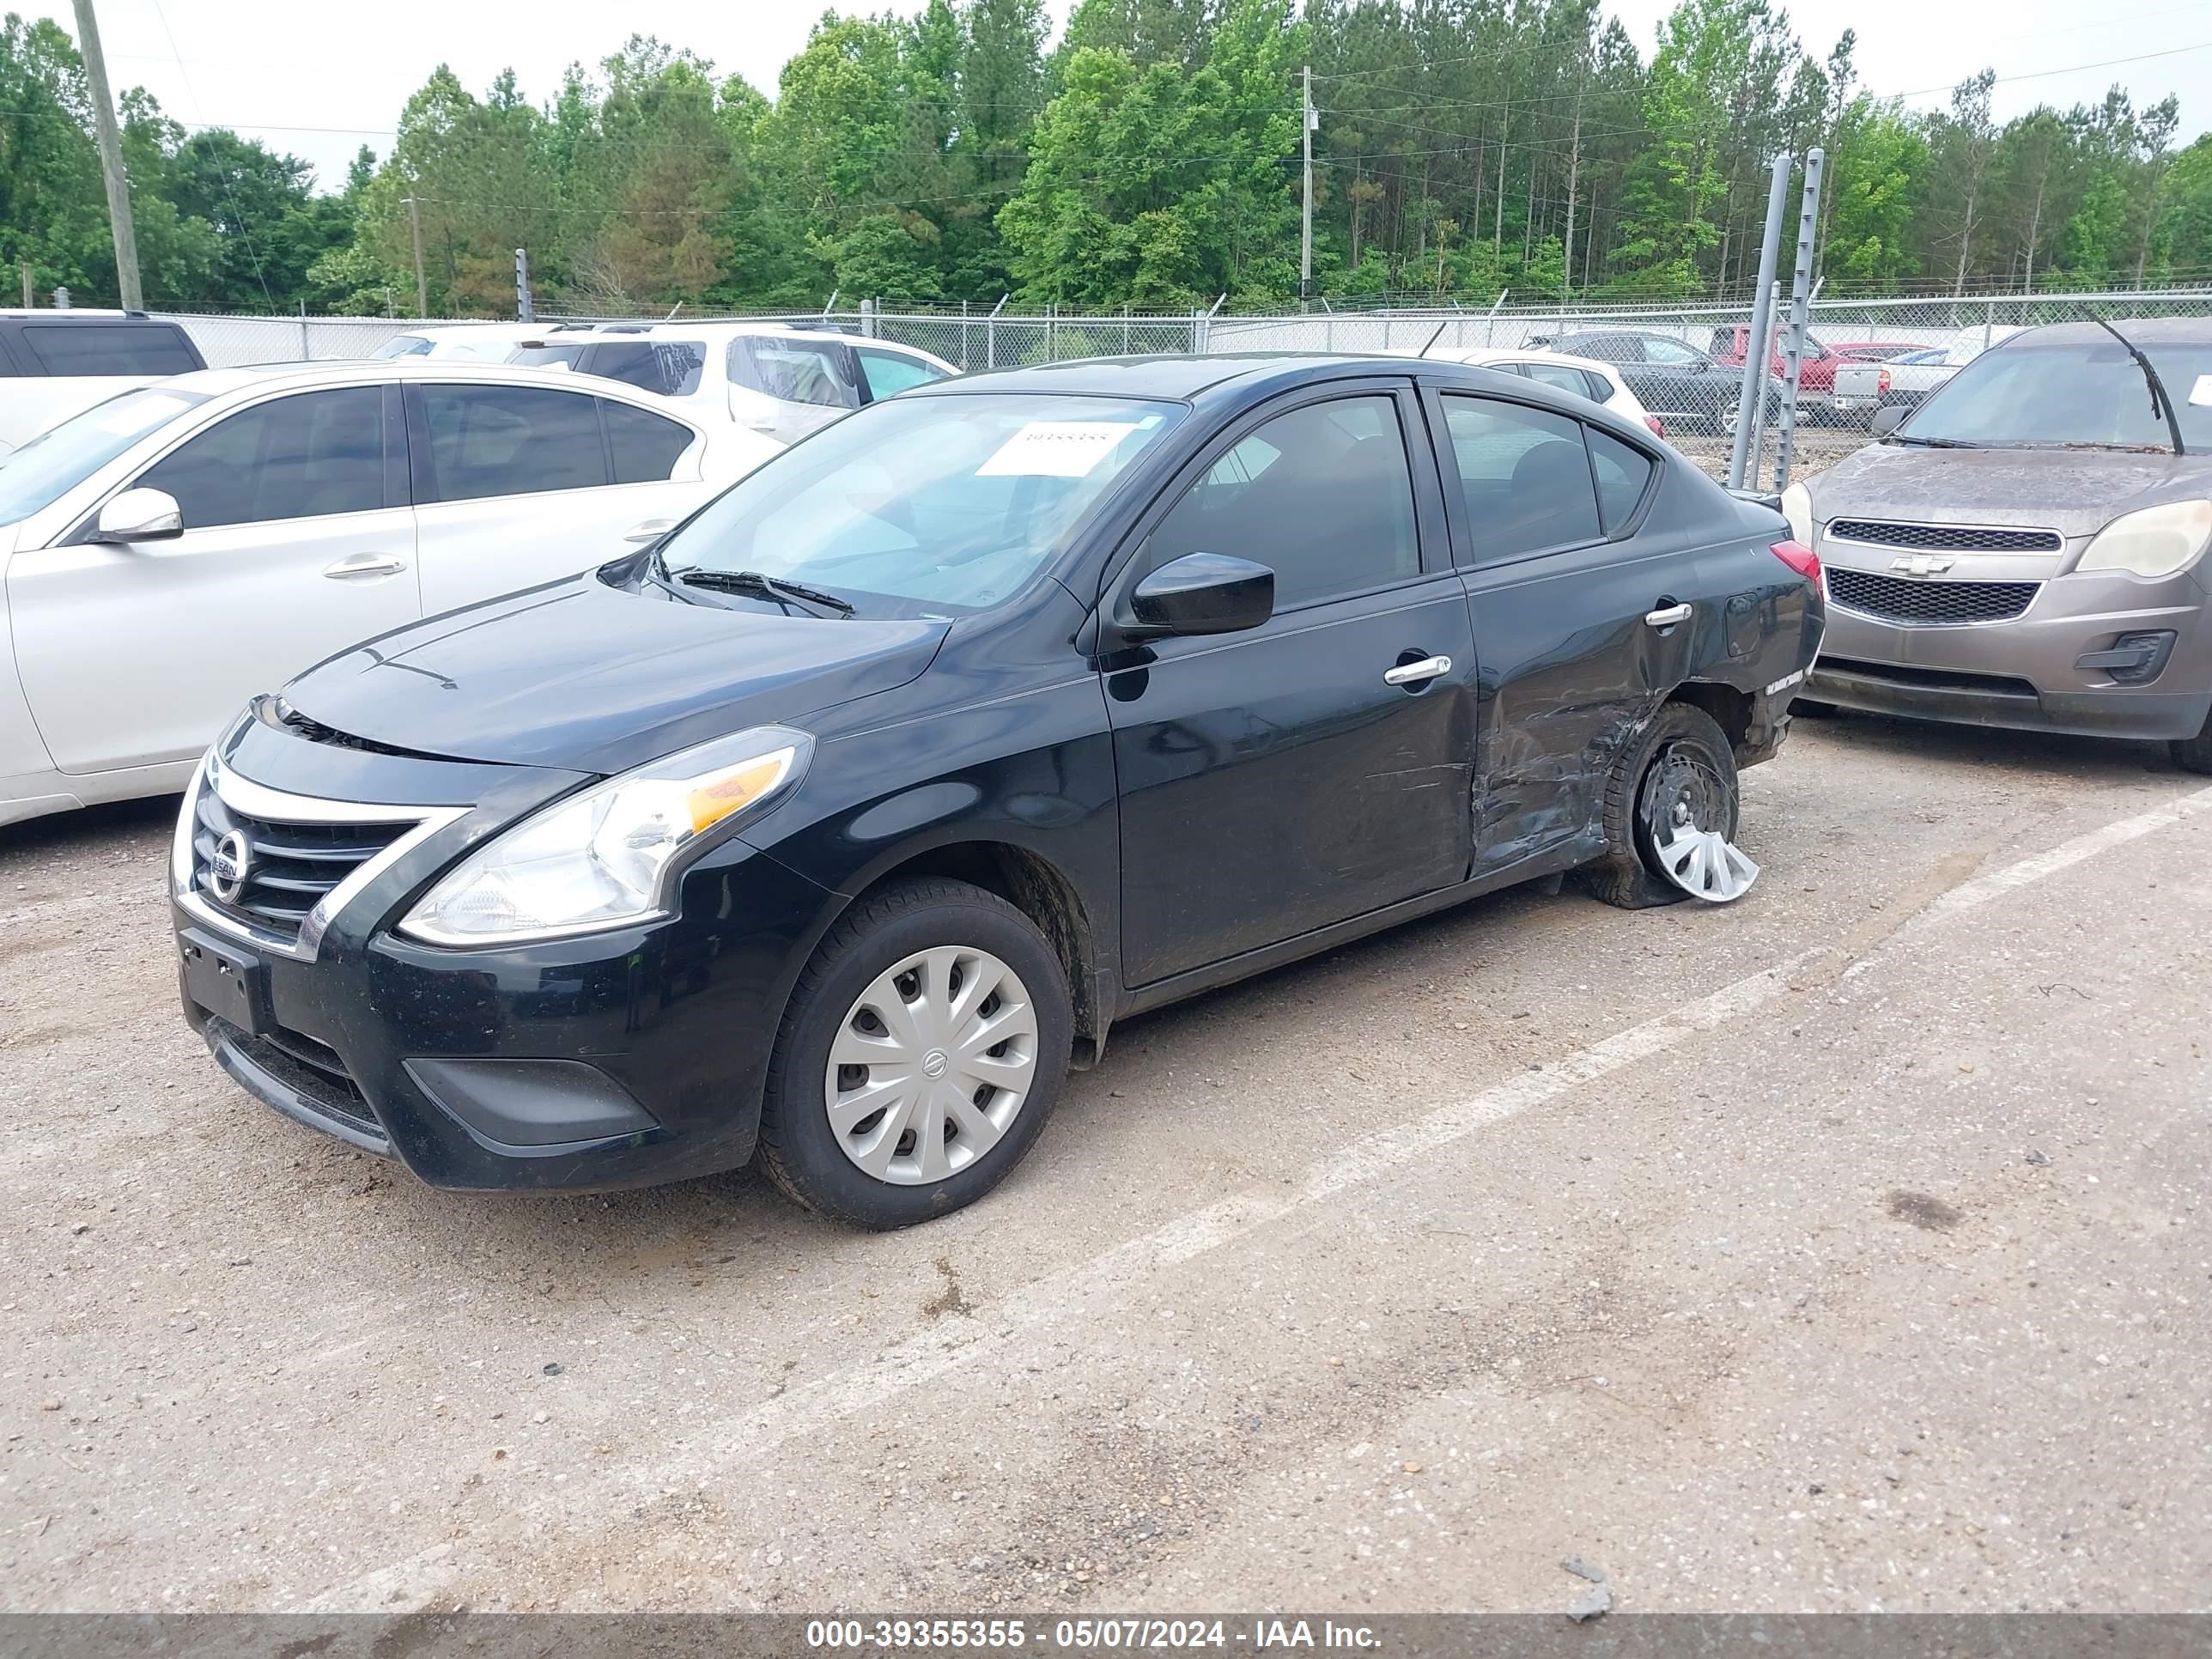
121,348
670,367
794,371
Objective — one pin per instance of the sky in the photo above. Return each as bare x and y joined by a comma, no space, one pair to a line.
321,81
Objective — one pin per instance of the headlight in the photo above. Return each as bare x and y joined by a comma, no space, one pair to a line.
608,857
2155,542
1797,507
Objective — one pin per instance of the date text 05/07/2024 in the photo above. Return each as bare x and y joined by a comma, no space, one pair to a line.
1083,1635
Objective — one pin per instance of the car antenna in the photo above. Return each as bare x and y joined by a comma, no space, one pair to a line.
2162,402
1434,338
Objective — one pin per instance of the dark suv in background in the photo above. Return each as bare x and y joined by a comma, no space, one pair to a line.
1679,383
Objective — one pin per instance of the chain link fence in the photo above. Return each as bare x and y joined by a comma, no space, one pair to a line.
1684,362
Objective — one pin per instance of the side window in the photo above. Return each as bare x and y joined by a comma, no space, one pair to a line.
1623,475
110,348
890,373
794,371
1608,348
1524,478
511,440
1564,376
1323,496
671,368
1671,352
645,445
293,458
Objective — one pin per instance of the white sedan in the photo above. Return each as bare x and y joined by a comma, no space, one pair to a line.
173,550
1586,377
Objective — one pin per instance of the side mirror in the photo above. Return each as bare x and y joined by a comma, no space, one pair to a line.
649,531
1887,419
140,515
1203,593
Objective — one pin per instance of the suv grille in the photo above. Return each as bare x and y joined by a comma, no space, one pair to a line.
1946,537
289,866
1895,599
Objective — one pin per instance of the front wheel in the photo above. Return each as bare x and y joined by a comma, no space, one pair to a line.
925,1046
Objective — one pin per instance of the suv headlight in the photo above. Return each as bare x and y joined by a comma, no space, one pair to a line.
2155,542
1797,507
608,856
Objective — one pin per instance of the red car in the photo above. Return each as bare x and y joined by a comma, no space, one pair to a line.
1817,373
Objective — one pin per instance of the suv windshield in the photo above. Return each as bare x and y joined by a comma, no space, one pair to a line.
36,475
2091,393
925,506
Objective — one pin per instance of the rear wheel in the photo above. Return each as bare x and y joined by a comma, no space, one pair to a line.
924,1047
1680,773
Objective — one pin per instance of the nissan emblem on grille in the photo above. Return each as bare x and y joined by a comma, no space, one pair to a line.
227,867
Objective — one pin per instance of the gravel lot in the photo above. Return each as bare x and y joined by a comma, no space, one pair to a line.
1843,1250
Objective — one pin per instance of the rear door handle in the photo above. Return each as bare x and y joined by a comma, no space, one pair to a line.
1666,616
364,565
1412,673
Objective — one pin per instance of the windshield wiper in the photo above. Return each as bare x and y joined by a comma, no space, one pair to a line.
2161,403
760,584
1934,443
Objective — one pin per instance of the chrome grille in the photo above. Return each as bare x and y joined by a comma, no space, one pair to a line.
1895,599
290,866
1945,538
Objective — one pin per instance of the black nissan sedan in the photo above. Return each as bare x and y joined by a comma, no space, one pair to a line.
835,825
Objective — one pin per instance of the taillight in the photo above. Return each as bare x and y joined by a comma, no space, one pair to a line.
1881,379
1802,560
1658,427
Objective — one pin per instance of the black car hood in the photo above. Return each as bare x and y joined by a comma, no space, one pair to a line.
592,678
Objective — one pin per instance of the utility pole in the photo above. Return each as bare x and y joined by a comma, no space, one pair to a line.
523,312
1800,300
1574,177
1305,235
1751,405
111,158
422,289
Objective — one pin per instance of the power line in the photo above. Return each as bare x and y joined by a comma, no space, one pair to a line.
222,172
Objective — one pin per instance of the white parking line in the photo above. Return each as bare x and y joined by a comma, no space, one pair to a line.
1074,1294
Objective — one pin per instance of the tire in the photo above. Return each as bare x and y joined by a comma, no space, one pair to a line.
1680,739
2194,753
965,932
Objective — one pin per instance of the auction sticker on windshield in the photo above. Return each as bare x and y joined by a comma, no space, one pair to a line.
1055,449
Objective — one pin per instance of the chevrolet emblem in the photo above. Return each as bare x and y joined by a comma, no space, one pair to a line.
1921,564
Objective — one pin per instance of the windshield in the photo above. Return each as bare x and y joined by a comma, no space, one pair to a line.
925,506
2091,393
403,345
38,474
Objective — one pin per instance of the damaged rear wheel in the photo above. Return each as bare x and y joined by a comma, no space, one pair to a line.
1678,783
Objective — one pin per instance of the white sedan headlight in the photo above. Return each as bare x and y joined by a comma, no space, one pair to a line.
605,858
1797,507
2155,542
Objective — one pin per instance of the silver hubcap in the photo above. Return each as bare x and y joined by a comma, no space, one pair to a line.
931,1064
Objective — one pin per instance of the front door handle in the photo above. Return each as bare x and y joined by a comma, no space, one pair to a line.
1412,673
361,566
1666,616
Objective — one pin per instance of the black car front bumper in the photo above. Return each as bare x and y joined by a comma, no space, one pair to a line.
619,1059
